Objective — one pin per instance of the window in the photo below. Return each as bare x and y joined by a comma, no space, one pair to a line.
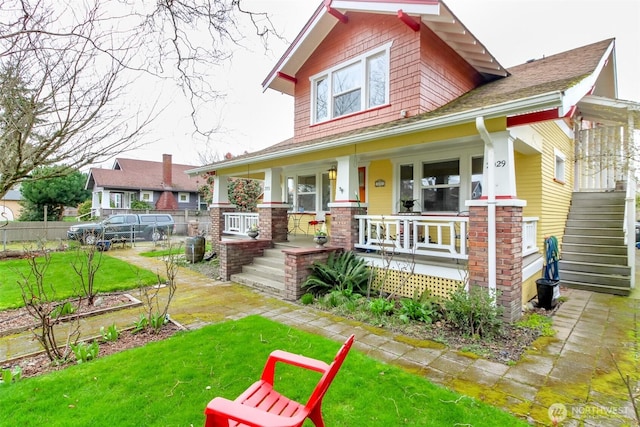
183,197
351,87
326,192
306,193
406,184
116,200
146,196
477,169
559,167
441,186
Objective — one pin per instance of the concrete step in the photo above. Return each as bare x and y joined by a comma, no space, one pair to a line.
593,240
271,287
587,214
274,253
614,290
594,258
586,248
596,268
271,273
594,223
269,261
612,280
606,231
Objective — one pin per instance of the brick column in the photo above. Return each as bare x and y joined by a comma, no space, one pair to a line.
297,267
508,255
217,223
273,222
344,225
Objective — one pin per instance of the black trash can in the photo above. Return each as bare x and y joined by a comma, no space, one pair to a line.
194,249
546,289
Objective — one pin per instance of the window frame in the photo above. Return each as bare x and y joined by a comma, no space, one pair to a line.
146,193
184,195
365,87
559,166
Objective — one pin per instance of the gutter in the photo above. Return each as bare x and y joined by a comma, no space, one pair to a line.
491,205
537,102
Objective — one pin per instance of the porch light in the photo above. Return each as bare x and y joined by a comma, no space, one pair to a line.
333,173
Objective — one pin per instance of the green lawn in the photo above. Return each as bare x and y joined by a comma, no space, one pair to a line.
113,275
169,383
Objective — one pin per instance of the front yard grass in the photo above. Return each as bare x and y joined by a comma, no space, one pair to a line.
113,275
169,383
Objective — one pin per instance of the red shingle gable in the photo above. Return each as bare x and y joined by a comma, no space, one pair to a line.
142,175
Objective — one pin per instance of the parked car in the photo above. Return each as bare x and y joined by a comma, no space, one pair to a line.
124,227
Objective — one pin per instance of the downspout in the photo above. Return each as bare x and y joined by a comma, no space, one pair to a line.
491,204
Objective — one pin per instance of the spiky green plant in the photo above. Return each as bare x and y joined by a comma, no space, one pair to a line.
343,271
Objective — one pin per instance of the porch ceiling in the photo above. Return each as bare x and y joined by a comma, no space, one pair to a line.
609,111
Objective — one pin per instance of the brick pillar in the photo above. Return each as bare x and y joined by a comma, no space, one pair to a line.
508,255
217,223
273,222
344,225
297,267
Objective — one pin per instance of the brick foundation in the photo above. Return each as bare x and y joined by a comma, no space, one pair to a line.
297,267
508,255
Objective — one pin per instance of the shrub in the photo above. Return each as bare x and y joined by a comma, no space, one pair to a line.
381,306
342,271
307,299
110,334
474,313
85,352
421,308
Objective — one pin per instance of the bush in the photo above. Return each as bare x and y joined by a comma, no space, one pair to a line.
307,299
344,271
475,312
140,205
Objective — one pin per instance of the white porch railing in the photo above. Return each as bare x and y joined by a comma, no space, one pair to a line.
436,236
239,222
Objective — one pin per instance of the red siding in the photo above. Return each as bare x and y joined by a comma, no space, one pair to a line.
424,72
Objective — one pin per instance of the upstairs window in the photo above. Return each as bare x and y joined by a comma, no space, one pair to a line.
348,88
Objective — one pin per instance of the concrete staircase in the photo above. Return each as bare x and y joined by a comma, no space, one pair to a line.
594,255
265,274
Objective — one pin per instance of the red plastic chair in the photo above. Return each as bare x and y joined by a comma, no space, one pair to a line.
320,219
262,406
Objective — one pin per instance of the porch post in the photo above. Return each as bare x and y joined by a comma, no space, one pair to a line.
495,227
272,212
344,226
219,205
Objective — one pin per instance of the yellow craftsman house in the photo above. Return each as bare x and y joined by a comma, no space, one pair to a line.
411,139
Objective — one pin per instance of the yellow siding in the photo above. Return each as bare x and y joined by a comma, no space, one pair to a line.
556,196
529,186
529,290
379,198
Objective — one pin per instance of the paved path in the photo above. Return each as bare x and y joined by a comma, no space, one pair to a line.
572,373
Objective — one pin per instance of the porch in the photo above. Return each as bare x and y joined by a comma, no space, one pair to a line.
431,255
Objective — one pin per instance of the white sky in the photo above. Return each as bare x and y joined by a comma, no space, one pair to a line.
514,31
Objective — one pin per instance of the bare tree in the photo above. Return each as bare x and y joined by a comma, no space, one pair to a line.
66,68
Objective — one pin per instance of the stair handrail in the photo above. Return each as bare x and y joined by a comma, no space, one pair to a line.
629,222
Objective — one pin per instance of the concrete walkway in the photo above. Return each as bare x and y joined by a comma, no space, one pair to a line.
571,376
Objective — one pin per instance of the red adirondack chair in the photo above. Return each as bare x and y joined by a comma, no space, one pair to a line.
261,406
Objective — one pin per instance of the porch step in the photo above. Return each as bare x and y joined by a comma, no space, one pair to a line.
265,274
594,254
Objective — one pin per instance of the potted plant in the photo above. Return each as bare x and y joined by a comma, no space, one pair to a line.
320,236
407,204
253,231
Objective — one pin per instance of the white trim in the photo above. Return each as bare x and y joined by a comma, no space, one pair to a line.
363,60
388,7
559,155
181,194
451,273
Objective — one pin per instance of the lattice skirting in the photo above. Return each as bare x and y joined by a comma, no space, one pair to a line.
405,284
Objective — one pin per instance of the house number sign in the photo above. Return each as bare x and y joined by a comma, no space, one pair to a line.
501,163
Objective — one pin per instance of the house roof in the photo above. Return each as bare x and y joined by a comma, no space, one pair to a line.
432,13
131,174
543,84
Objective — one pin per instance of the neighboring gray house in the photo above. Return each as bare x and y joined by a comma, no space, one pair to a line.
164,185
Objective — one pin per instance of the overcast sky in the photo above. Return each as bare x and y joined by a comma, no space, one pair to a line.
514,31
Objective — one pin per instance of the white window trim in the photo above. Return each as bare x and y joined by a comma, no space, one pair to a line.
328,73
150,193
181,195
559,157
